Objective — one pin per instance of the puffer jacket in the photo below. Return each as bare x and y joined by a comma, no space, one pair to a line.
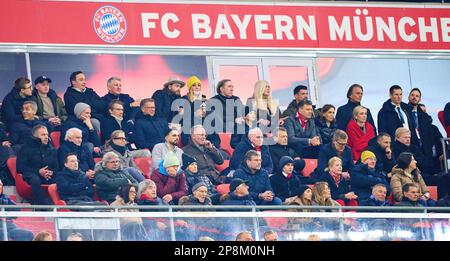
109,181
400,178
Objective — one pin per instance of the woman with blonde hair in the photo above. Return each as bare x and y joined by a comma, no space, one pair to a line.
321,196
359,131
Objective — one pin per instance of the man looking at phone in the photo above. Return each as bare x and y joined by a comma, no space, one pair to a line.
205,153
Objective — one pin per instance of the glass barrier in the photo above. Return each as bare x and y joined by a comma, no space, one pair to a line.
225,223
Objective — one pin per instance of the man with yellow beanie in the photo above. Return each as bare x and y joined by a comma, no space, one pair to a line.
364,176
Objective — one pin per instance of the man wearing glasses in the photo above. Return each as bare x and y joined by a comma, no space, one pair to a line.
11,109
116,121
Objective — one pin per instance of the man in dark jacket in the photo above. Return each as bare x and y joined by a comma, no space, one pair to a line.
82,120
381,147
38,162
165,97
11,109
377,199
285,184
258,179
280,149
73,144
300,94
239,194
231,111
115,120
395,114
411,197
131,107
303,135
345,113
337,148
205,153
78,92
51,108
21,130
254,141
73,185
149,129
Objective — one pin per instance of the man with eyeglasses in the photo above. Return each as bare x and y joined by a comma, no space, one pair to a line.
336,148
130,106
11,109
116,121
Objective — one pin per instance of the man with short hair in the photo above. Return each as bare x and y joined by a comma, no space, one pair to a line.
244,236
378,197
303,136
115,120
149,129
51,108
130,106
381,147
37,161
395,114
165,97
254,141
258,179
300,94
11,106
170,144
205,153
21,130
411,196
78,92
281,148
345,113
270,236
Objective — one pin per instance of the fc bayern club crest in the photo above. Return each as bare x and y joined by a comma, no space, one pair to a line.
110,24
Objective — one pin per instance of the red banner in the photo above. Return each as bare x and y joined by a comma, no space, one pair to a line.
225,25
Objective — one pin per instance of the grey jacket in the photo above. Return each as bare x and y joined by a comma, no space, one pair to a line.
296,135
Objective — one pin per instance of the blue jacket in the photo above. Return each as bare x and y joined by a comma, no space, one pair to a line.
363,179
337,192
85,158
239,154
11,109
88,135
21,130
389,121
258,182
233,200
149,131
345,113
284,187
326,153
163,101
372,202
34,156
74,185
110,124
89,96
326,133
129,112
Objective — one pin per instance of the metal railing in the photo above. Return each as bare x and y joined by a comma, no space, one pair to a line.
444,150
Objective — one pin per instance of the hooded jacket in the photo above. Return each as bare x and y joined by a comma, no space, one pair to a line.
165,184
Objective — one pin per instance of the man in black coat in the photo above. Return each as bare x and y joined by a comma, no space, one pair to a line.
38,161
395,114
303,135
345,113
131,106
381,147
78,92
281,149
300,94
284,183
21,130
73,185
11,109
165,97
115,120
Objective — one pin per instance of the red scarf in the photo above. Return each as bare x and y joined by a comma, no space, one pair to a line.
146,197
289,176
258,149
303,122
336,178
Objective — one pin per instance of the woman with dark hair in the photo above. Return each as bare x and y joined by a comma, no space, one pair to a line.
131,228
327,123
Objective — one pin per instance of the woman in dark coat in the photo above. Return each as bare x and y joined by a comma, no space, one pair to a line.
327,123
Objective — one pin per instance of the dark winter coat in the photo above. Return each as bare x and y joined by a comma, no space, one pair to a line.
389,121
258,182
383,163
245,145
231,199
345,113
192,201
34,156
11,109
109,181
88,135
326,132
227,117
423,162
163,101
337,192
284,187
85,158
277,151
363,179
21,130
129,112
447,114
297,137
149,131
89,96
110,124
327,152
74,185
165,184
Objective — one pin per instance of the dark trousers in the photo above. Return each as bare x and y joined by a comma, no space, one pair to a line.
39,197
311,152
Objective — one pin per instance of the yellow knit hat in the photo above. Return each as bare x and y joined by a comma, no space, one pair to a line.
192,80
367,154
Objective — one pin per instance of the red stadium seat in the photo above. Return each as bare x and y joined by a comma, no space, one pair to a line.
53,192
55,136
442,120
224,165
22,188
223,189
276,222
144,165
433,192
225,142
310,166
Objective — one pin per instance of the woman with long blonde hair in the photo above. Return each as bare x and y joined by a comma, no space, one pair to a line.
321,195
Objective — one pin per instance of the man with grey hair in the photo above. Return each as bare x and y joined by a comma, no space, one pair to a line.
131,106
336,148
21,130
110,176
205,153
253,141
73,143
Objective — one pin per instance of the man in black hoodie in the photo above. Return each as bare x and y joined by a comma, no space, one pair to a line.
78,92
37,161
